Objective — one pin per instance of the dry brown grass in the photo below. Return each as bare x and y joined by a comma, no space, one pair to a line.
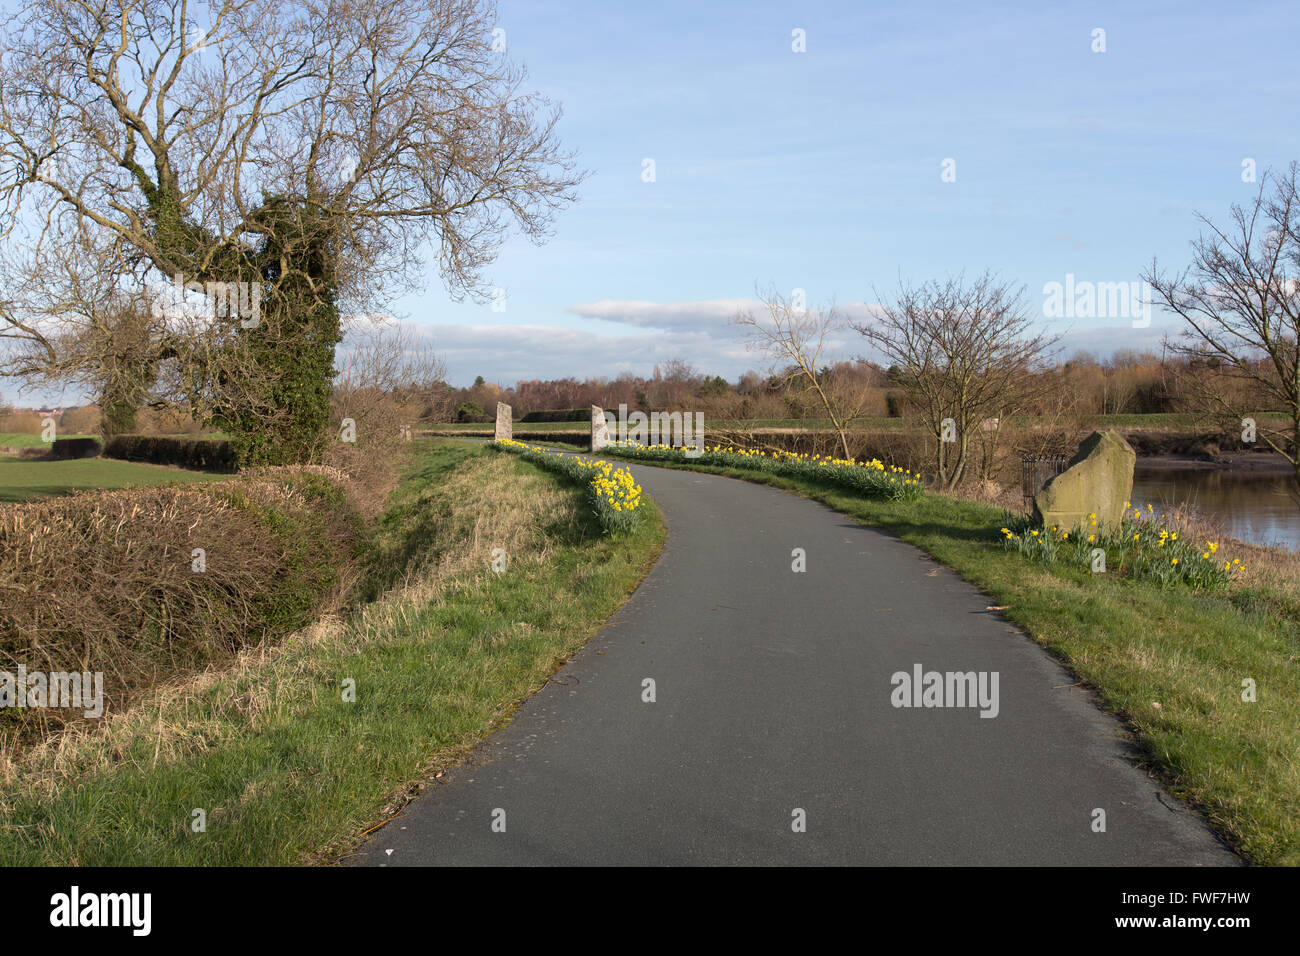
106,582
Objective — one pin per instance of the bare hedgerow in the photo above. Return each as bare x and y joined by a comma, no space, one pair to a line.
143,584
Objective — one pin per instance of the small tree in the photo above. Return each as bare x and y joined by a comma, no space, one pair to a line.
966,355
797,339
1240,301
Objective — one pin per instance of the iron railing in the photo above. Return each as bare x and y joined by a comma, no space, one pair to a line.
1038,470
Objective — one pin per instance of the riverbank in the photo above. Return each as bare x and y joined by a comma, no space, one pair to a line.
1259,463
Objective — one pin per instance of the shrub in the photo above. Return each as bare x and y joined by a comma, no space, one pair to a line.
559,415
379,451
208,454
108,581
470,412
74,448
21,423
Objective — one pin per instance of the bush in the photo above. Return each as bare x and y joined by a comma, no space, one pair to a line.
470,412
74,448
208,454
559,415
111,582
379,451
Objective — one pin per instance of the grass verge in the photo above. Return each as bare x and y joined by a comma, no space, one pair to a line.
1170,661
287,770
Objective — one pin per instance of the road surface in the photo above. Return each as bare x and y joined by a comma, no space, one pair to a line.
773,737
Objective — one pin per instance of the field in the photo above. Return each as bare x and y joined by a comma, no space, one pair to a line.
22,440
22,479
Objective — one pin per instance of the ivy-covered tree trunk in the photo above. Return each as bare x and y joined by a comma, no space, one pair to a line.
292,355
280,412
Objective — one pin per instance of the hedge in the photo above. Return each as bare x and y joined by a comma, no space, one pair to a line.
74,448
209,454
559,415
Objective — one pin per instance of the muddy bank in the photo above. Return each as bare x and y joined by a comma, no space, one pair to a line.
1258,463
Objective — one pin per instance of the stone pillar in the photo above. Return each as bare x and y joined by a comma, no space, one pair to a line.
599,428
505,425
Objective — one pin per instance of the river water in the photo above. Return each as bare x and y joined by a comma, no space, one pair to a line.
1260,508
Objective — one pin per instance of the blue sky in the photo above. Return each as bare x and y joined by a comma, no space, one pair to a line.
821,170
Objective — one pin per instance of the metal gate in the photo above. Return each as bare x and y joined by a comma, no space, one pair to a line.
1038,470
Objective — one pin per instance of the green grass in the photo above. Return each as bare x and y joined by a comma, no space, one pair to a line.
285,769
22,479
1140,645
21,440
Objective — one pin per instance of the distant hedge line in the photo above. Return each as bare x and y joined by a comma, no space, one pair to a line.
559,415
210,454
575,438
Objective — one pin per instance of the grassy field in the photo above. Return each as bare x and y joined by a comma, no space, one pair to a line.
21,440
1171,662
284,767
22,479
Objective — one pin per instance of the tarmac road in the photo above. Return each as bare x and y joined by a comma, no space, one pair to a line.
773,696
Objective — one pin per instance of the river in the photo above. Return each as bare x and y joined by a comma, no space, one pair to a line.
1255,506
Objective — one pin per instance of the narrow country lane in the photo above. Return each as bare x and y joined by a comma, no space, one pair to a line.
773,694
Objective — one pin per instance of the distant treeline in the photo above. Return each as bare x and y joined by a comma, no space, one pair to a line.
1133,383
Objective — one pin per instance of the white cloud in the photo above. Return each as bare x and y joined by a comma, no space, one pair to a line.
710,314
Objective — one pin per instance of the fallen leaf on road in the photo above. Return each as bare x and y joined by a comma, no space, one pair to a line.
997,607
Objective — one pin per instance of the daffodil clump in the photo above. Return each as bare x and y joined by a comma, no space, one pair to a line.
1144,545
614,496
871,479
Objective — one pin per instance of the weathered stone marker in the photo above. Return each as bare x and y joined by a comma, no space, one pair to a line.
1098,480
505,425
599,428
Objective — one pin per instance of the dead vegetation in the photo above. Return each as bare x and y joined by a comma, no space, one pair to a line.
146,584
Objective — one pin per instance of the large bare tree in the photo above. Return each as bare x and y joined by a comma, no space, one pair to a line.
967,355
312,148
1240,302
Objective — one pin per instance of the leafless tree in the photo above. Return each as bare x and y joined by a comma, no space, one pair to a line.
312,147
797,340
967,356
1240,301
